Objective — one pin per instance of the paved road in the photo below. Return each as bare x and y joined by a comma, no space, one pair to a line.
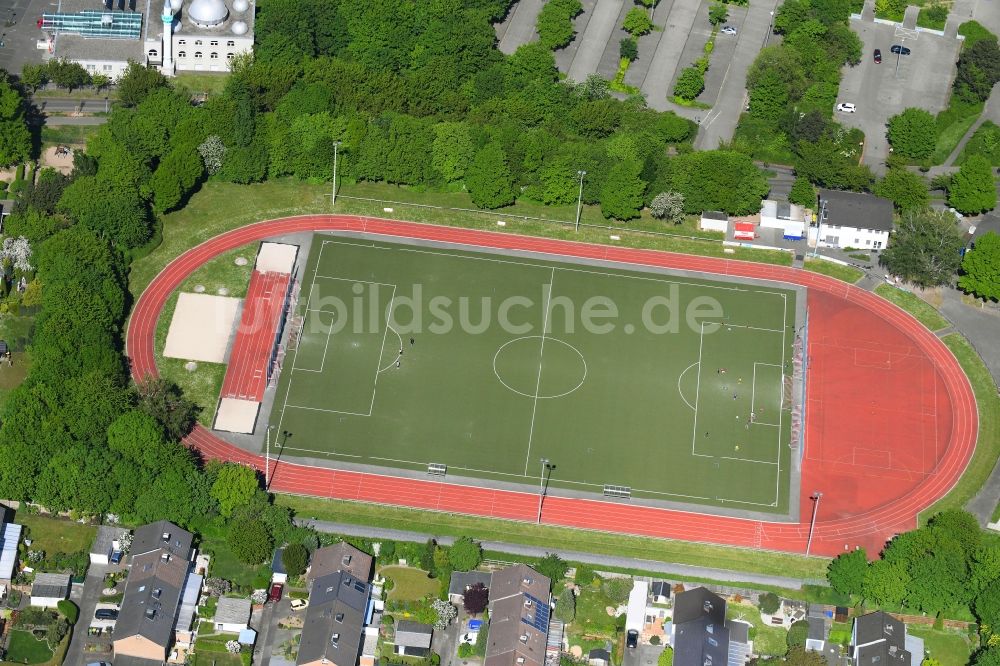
520,29
721,121
87,601
595,39
656,85
70,105
724,575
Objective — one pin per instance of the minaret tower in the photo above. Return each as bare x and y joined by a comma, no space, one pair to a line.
167,16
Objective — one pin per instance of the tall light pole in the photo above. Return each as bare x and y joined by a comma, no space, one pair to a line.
333,189
546,467
816,497
899,54
819,225
767,35
267,456
579,199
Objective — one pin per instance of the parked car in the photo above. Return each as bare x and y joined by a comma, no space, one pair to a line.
900,49
878,56
846,107
106,614
728,30
469,638
299,604
632,638
276,591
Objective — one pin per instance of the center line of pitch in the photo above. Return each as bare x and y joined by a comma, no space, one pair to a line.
538,379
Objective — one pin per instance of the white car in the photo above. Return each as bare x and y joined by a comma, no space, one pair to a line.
469,638
299,604
728,30
846,107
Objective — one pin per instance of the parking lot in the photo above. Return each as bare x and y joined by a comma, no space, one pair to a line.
880,91
19,32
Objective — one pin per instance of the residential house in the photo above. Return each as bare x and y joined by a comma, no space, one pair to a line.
413,639
463,580
340,557
232,615
160,593
334,628
48,589
852,220
879,639
10,537
519,617
107,546
700,634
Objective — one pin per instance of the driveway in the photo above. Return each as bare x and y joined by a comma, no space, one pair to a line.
85,596
594,40
445,643
921,79
519,28
666,59
266,625
644,655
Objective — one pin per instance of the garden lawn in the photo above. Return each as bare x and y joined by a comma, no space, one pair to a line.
592,618
923,311
985,142
557,538
952,124
409,583
12,377
25,648
74,135
211,651
225,565
57,535
951,648
767,640
202,82
988,445
846,273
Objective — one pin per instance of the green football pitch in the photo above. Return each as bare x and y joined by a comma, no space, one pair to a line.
675,388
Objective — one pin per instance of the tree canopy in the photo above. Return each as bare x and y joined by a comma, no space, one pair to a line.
913,133
973,189
981,267
925,249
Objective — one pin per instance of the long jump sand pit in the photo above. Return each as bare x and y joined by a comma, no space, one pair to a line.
201,327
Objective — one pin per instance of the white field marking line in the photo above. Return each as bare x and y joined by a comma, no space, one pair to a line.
298,345
570,269
385,334
540,397
745,460
753,391
697,390
538,380
328,411
325,453
391,363
343,279
679,378
781,404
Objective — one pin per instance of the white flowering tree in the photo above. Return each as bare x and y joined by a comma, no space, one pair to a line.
18,252
212,152
445,612
233,647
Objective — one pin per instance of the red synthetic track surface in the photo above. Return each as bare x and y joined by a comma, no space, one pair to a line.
891,420
246,375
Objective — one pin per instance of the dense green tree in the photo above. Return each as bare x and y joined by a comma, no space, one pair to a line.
988,656
907,190
33,224
925,248
690,83
802,193
666,657
465,554
552,566
233,487
34,76
249,540
452,150
67,74
797,634
558,183
718,180
598,118
136,436
566,606
913,133
15,139
628,48
116,211
44,193
621,196
978,70
769,602
175,177
295,557
718,13
162,399
846,573
488,178
981,268
973,188
637,22
886,582
555,22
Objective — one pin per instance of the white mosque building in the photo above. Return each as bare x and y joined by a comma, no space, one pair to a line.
187,35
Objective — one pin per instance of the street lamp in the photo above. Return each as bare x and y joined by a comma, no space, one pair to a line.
899,53
542,485
333,189
816,497
267,456
579,199
767,35
819,225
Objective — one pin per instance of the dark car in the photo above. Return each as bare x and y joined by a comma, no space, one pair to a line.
901,50
632,638
276,591
878,56
106,614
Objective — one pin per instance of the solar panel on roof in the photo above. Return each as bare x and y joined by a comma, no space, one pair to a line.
540,619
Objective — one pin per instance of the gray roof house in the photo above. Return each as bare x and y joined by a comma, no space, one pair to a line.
413,639
853,219
106,543
232,615
879,639
158,581
340,557
700,634
333,630
463,580
49,589
519,617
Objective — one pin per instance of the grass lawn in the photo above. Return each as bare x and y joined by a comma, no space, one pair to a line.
385,417
951,648
409,583
12,377
767,640
198,82
26,649
845,273
592,620
558,538
952,124
923,311
985,142
225,565
68,134
211,212
211,650
57,535
988,446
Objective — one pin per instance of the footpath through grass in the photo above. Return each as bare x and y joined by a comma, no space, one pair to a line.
923,311
846,273
988,446
557,538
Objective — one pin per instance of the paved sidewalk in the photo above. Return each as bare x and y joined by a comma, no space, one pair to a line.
520,29
575,556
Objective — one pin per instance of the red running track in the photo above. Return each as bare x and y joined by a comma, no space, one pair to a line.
891,421
246,374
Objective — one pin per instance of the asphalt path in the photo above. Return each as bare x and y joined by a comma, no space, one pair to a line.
520,29
666,59
595,39
592,559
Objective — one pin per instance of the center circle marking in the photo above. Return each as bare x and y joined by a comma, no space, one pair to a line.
507,346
